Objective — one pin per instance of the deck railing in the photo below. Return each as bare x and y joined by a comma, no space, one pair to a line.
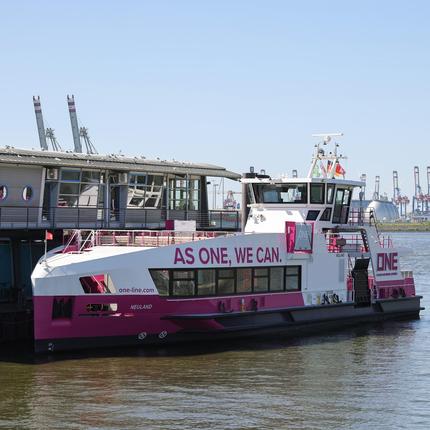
80,240
36,217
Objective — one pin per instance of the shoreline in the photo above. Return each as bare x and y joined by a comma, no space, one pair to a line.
404,227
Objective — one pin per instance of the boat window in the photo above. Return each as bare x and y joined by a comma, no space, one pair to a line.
183,282
312,215
161,281
281,193
330,193
226,281
97,284
276,278
206,282
326,215
317,193
212,282
3,192
27,193
244,280
292,278
261,279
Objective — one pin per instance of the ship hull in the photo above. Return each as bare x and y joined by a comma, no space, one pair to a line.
170,328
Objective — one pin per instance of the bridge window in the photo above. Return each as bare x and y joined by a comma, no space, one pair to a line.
330,193
326,215
317,193
281,193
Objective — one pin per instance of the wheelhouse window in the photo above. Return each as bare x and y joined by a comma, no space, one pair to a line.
145,191
281,193
317,194
330,193
223,281
326,215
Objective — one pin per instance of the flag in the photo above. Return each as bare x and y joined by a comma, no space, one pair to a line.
323,170
316,173
340,171
48,235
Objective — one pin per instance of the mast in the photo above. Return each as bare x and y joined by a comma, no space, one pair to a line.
319,155
74,123
40,125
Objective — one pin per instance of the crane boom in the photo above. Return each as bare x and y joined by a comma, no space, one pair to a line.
40,125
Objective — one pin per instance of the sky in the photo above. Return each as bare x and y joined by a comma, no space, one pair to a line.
234,83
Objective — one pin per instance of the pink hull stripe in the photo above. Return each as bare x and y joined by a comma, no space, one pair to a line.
131,315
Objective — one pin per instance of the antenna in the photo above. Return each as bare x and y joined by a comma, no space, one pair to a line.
40,125
74,123
332,158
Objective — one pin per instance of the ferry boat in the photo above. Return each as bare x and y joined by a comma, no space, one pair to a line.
304,260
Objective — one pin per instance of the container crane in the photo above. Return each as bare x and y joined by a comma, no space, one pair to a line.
400,201
79,132
40,125
44,134
418,199
376,195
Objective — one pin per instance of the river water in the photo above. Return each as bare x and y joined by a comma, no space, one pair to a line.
366,377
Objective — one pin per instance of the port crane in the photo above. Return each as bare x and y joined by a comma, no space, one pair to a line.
44,133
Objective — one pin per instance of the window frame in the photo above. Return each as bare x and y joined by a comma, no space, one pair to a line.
195,279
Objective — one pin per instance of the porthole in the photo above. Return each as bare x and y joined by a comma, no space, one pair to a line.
3,192
27,193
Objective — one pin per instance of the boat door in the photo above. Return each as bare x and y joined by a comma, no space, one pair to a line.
341,206
361,282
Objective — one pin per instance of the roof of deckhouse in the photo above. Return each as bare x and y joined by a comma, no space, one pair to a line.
10,155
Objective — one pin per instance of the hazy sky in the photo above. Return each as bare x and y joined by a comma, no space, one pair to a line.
235,83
